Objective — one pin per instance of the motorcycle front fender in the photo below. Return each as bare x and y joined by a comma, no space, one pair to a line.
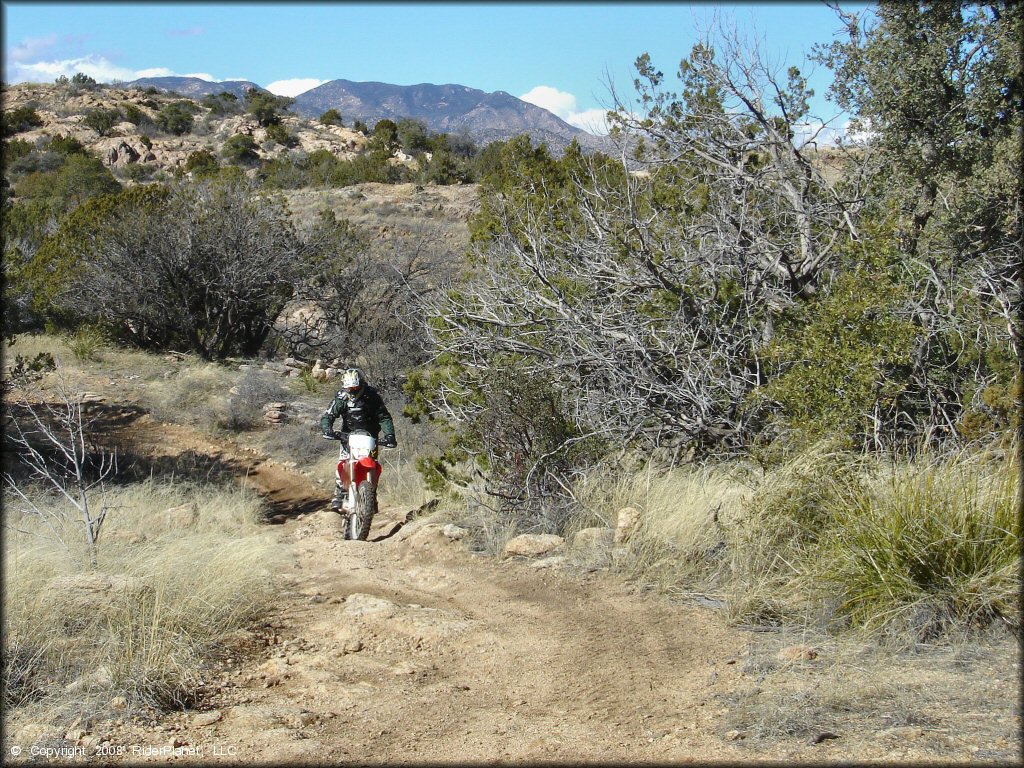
365,467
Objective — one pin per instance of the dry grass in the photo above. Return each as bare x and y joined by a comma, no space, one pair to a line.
935,700
148,631
687,516
831,540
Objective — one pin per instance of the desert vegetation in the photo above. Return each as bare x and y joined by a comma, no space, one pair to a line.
712,299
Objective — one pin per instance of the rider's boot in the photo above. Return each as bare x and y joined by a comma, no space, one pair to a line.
340,498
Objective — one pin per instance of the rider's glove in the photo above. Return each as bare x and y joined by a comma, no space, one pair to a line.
329,435
389,441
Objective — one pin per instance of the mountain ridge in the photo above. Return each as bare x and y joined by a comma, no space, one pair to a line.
448,108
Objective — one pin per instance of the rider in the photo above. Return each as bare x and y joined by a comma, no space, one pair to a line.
360,407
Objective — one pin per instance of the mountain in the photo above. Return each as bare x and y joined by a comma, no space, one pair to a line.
194,87
449,108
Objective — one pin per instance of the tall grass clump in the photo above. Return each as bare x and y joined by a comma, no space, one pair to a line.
179,568
86,343
830,539
782,529
927,544
687,514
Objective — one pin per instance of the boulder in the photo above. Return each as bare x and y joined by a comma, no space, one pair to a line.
359,604
627,522
532,545
84,594
183,516
593,539
97,678
797,653
453,532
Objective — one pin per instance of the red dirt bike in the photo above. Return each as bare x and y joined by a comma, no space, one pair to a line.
358,471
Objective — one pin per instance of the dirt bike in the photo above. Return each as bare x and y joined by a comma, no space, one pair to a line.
358,471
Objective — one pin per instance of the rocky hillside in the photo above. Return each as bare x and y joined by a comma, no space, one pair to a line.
486,117
195,87
63,112
454,109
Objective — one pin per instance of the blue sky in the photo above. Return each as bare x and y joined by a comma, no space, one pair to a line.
558,55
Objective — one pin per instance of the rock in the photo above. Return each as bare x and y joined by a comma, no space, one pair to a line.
183,516
824,736
359,604
797,653
98,678
84,594
532,545
352,645
276,407
555,561
735,735
206,719
454,532
119,703
593,539
125,537
627,522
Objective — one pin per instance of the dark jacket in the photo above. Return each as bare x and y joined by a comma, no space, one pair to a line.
366,412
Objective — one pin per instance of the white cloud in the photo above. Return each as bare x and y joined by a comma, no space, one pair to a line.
293,87
97,67
190,32
564,105
31,48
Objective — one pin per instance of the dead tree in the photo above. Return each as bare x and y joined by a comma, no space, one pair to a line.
52,439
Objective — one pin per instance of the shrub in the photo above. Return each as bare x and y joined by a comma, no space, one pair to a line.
245,406
240,149
222,103
201,163
86,343
135,115
175,118
926,545
101,120
281,135
331,117
180,594
20,119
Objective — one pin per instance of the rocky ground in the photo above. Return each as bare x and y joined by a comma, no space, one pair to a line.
63,111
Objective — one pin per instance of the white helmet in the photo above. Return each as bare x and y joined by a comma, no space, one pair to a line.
352,382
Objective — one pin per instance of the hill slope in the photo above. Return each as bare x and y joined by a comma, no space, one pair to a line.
448,108
194,87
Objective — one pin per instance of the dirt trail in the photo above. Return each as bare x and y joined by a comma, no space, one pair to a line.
407,648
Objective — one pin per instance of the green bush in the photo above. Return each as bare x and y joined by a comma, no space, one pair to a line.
927,545
20,119
175,118
86,343
101,120
331,117
135,115
201,163
222,103
240,149
281,135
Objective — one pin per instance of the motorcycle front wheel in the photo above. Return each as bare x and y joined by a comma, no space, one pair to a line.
365,508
